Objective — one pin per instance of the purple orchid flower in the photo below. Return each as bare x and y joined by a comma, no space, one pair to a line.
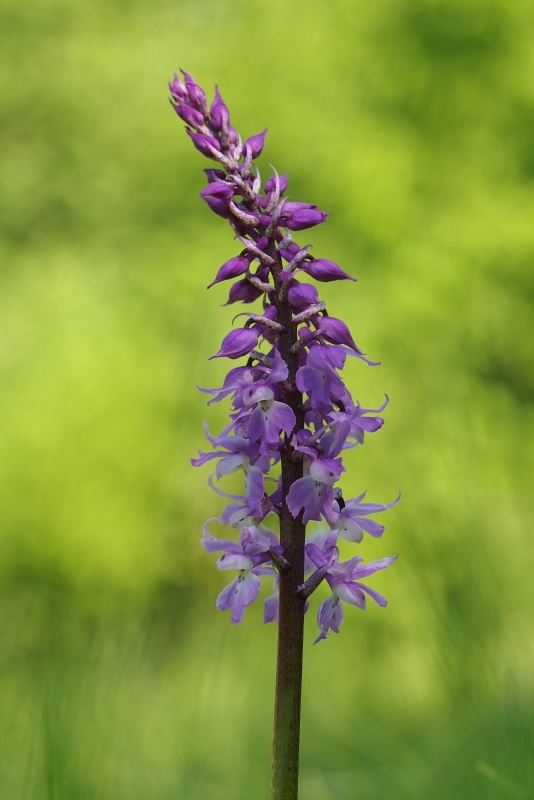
291,413
246,556
344,580
313,491
318,377
350,519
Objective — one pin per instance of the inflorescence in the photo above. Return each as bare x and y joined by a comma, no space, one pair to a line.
289,400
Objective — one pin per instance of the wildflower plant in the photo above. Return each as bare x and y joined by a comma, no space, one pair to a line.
291,416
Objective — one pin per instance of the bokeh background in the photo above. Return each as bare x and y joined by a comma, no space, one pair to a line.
411,121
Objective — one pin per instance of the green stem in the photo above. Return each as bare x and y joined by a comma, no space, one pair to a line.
284,780
285,767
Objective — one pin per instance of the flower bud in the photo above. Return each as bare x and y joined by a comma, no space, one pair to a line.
231,269
219,189
303,295
177,89
256,143
270,185
299,216
238,343
324,270
197,96
335,331
243,291
201,141
189,115
219,115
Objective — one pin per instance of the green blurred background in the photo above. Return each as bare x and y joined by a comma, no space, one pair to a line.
411,122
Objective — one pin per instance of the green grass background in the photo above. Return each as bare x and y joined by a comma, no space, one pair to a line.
411,122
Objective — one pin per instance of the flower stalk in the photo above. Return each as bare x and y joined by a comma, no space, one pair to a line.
292,417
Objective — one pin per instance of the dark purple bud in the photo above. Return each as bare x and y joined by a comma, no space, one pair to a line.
219,189
323,270
189,115
238,343
231,269
303,295
299,216
287,255
177,89
197,96
213,174
335,331
271,183
244,292
219,206
233,135
219,113
201,142
256,143
262,243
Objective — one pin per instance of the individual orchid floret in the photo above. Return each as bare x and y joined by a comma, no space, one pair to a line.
344,580
350,519
269,418
195,93
313,491
318,377
246,556
351,424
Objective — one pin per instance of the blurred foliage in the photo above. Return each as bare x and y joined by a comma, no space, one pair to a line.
410,121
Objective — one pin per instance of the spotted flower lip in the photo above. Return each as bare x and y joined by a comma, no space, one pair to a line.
288,400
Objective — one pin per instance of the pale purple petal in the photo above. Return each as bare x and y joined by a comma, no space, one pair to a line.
234,561
213,545
364,570
307,494
379,599
239,594
351,593
228,465
329,616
